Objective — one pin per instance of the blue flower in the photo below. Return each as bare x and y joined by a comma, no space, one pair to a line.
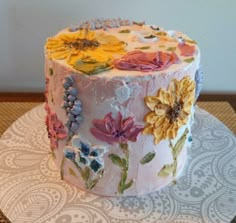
69,154
95,165
85,154
72,105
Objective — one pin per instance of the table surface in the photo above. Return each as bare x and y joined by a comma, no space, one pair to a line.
11,111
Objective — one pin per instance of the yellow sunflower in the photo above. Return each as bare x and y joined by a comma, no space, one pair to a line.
170,109
85,49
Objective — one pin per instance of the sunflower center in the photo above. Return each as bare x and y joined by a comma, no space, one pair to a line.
174,112
82,44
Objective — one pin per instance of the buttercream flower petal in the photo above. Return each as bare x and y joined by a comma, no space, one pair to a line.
160,121
158,135
127,124
110,139
133,133
151,102
148,129
186,49
150,117
109,123
118,121
100,125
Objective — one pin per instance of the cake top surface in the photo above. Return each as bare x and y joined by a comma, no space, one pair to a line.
115,47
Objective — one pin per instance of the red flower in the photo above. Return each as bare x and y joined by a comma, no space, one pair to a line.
186,50
115,131
56,129
146,61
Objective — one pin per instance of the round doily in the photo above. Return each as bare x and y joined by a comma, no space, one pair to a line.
31,189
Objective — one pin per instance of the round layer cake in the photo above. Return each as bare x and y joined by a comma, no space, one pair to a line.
120,100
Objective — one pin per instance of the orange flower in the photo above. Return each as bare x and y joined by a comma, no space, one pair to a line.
85,50
170,109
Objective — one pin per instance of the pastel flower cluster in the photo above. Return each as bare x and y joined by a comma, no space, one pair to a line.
85,155
94,24
72,105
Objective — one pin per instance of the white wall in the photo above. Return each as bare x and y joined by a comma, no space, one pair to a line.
25,25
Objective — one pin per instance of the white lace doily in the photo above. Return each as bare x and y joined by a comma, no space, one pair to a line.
31,189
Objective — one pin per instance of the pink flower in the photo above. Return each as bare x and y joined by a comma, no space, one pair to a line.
115,131
146,61
186,50
56,129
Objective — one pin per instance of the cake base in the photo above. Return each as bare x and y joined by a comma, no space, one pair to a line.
31,189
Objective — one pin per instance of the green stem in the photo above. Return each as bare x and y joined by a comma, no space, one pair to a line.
61,168
123,185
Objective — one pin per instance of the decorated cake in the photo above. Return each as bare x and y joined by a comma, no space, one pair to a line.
120,99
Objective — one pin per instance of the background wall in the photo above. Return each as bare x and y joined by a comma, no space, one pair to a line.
25,25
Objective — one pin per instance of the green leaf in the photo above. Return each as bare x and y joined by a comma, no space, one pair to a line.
128,185
190,41
150,37
50,71
92,67
174,168
179,145
161,33
171,49
148,157
122,185
166,170
124,31
92,184
117,160
143,48
72,172
86,173
123,178
189,60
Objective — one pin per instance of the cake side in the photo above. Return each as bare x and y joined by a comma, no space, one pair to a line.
105,137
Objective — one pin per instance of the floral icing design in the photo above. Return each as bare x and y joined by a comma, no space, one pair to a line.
72,105
85,50
186,49
117,130
87,158
146,61
56,129
171,169
102,24
170,109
